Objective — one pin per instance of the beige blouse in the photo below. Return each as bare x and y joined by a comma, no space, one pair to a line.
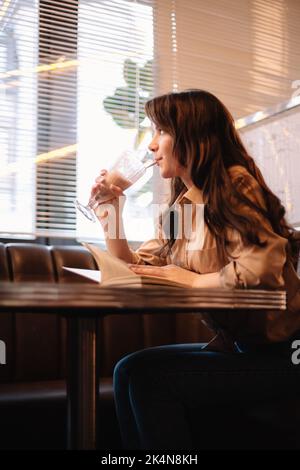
247,265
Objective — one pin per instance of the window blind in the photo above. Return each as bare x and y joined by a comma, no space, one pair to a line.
87,71
57,118
18,116
247,53
74,76
115,78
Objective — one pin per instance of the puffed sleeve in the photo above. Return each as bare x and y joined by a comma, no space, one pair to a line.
251,265
150,251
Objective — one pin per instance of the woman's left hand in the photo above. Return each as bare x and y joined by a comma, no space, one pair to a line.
170,272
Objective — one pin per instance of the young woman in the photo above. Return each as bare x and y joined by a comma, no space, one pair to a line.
245,243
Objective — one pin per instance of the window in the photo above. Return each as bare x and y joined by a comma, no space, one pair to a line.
273,140
115,78
18,116
83,70
74,76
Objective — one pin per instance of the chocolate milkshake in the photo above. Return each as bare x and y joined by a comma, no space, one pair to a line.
116,178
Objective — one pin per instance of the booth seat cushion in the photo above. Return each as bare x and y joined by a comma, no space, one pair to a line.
34,415
45,391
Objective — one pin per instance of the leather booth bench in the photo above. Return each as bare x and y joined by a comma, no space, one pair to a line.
32,382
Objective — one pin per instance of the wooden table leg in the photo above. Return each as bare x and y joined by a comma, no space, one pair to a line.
82,382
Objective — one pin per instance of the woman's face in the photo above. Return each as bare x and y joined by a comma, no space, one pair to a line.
162,147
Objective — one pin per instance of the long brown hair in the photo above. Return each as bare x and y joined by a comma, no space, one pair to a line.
205,137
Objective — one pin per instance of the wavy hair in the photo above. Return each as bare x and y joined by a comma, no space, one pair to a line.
206,140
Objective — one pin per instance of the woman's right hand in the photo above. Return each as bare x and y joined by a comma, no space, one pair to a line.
112,208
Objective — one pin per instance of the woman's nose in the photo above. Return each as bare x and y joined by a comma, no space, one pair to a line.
153,146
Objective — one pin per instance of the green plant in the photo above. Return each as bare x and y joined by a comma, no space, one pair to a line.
126,105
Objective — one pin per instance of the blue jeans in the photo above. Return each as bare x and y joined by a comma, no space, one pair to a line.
159,390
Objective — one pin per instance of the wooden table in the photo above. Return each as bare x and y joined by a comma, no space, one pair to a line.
83,304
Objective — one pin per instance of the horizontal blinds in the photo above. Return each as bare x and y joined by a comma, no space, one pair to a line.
75,100
115,78
18,116
57,118
247,53
91,107
74,76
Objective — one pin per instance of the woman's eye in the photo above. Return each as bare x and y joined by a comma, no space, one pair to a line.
158,131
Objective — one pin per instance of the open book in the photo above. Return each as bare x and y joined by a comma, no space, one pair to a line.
115,272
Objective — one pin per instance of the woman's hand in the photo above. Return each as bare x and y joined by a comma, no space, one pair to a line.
110,211
170,272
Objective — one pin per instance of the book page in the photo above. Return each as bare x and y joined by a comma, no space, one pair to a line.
92,274
115,272
141,281
110,266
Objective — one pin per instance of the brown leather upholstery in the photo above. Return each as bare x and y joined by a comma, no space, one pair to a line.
35,354
30,262
71,256
6,321
33,415
4,275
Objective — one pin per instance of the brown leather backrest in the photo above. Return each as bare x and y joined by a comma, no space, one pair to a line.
6,322
35,351
73,257
4,274
30,262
